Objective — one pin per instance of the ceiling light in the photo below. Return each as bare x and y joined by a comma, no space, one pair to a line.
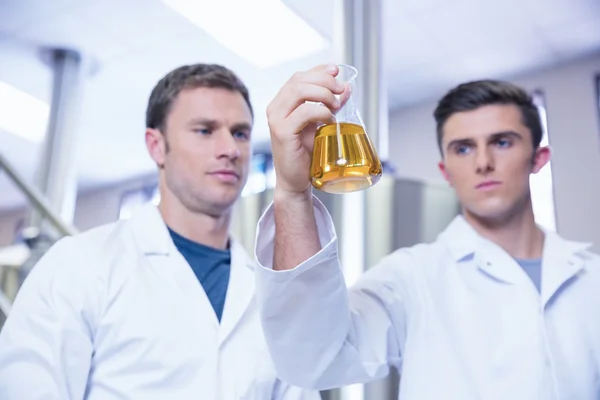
22,114
264,32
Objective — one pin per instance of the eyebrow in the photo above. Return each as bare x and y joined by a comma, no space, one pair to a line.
212,124
209,123
241,126
492,137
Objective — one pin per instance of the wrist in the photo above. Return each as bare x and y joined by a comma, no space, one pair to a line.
287,196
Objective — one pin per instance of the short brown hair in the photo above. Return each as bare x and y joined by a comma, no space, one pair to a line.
189,77
472,95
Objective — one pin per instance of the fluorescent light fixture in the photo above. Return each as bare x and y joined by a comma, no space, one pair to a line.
264,32
22,114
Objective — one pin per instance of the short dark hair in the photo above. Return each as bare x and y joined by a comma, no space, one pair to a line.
472,95
189,77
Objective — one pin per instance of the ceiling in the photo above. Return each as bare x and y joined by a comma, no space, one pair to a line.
428,45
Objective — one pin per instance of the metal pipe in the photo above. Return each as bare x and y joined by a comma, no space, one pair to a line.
358,41
36,198
343,33
375,116
348,50
57,172
375,104
5,304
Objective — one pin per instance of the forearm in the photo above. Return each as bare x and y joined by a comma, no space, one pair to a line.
296,233
304,311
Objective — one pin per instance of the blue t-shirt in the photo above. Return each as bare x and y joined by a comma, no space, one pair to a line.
533,268
211,266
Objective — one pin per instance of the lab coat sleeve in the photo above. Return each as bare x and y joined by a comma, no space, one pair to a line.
46,342
321,336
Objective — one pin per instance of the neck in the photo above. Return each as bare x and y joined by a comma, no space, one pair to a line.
517,233
212,231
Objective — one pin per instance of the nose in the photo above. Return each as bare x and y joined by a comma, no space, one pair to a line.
227,145
484,161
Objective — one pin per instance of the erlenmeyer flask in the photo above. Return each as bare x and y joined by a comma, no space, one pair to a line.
344,159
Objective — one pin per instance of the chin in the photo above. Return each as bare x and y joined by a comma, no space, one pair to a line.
225,200
488,212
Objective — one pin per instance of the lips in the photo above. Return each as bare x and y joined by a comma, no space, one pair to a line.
226,175
488,184
225,172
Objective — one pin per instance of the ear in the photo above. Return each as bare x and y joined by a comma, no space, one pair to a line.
444,172
541,158
156,145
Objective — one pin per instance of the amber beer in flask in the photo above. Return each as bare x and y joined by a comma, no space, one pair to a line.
344,159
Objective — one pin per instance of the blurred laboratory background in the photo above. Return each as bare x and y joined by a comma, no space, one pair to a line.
75,77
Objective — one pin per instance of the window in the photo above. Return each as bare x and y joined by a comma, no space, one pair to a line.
542,191
261,174
135,198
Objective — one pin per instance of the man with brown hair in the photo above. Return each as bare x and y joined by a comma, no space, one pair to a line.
159,306
495,308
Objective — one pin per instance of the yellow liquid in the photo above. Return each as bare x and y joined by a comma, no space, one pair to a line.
347,168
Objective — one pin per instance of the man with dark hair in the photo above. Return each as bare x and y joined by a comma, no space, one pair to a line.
472,95
495,308
159,306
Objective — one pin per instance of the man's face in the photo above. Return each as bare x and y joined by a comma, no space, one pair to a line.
488,157
206,150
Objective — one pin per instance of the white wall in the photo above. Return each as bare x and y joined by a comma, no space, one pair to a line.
574,134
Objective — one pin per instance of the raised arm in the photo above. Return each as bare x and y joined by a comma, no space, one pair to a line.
320,336
293,116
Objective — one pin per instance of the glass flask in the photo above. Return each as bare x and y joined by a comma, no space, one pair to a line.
344,159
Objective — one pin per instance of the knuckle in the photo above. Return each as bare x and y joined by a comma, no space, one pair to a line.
297,91
305,110
331,99
320,93
325,114
297,76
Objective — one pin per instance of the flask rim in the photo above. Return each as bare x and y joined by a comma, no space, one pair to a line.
347,71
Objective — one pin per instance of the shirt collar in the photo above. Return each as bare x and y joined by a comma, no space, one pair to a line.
463,241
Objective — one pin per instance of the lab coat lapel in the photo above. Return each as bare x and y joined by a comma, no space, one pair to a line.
491,259
240,291
562,261
156,245
497,263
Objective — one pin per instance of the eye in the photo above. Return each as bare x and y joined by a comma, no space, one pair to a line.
241,135
202,131
463,149
503,143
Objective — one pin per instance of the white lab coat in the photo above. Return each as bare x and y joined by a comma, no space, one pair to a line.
117,313
459,318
